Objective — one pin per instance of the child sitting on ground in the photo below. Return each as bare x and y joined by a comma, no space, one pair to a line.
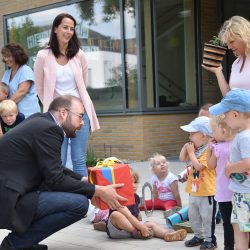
9,115
98,217
124,223
200,184
4,91
236,107
218,154
165,185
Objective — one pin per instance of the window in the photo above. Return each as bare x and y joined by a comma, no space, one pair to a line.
100,31
141,54
173,70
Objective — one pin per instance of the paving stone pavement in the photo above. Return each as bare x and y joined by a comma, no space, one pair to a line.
81,235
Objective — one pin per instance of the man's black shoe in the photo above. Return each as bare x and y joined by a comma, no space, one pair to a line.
6,246
36,247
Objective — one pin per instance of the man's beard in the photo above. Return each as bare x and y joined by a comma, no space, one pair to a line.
68,128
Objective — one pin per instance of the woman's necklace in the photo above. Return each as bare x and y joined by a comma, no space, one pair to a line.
243,63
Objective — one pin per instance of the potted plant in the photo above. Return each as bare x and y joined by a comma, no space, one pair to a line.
214,52
91,159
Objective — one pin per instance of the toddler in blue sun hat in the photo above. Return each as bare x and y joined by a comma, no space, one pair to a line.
236,108
200,184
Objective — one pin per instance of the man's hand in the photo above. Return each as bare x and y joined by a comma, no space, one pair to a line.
109,196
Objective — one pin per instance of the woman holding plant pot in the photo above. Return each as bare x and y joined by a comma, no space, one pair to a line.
235,32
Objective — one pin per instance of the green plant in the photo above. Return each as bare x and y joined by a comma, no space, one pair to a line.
216,41
91,159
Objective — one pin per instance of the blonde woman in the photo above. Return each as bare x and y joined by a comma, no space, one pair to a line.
235,32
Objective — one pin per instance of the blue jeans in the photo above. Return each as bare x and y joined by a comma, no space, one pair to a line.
78,148
55,210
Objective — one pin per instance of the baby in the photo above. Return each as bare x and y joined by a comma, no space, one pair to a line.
4,91
165,185
9,115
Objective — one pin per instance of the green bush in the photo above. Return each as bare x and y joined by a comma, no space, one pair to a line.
91,159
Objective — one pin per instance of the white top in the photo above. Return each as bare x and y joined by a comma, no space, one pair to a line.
240,79
164,187
65,81
240,182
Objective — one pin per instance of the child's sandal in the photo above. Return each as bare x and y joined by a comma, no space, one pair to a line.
176,235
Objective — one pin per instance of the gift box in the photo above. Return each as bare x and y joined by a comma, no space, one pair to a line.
115,174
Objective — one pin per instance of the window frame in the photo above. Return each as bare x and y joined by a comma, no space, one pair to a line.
141,109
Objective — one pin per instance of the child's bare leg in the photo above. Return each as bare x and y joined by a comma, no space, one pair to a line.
121,222
166,234
241,238
158,231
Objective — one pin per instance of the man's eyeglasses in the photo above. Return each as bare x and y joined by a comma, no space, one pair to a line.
77,114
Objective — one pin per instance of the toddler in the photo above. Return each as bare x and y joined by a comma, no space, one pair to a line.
9,115
236,108
125,223
218,154
4,91
200,184
98,217
165,185
203,111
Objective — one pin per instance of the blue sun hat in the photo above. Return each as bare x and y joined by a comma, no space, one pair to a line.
200,124
236,99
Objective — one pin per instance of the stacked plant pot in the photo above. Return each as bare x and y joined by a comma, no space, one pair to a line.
213,55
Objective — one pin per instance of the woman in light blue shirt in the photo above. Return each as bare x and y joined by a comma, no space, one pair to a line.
20,79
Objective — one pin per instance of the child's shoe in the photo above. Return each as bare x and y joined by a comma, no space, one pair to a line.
176,235
100,226
195,241
207,245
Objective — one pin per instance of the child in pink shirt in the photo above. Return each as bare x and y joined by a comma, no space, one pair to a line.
218,154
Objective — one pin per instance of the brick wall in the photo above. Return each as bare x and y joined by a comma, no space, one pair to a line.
138,137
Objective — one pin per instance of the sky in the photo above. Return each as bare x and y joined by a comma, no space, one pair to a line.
45,18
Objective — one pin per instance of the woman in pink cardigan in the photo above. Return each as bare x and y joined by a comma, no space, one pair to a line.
62,69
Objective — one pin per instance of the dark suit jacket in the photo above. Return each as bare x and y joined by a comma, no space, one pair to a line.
30,155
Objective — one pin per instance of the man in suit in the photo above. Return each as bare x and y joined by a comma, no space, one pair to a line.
38,196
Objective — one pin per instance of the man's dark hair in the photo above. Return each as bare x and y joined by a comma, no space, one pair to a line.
17,52
64,101
74,44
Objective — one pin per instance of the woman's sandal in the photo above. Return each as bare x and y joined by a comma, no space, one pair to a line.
176,235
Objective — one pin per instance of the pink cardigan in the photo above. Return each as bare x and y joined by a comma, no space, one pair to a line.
45,81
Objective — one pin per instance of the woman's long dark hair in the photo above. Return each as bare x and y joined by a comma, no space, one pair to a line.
74,44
